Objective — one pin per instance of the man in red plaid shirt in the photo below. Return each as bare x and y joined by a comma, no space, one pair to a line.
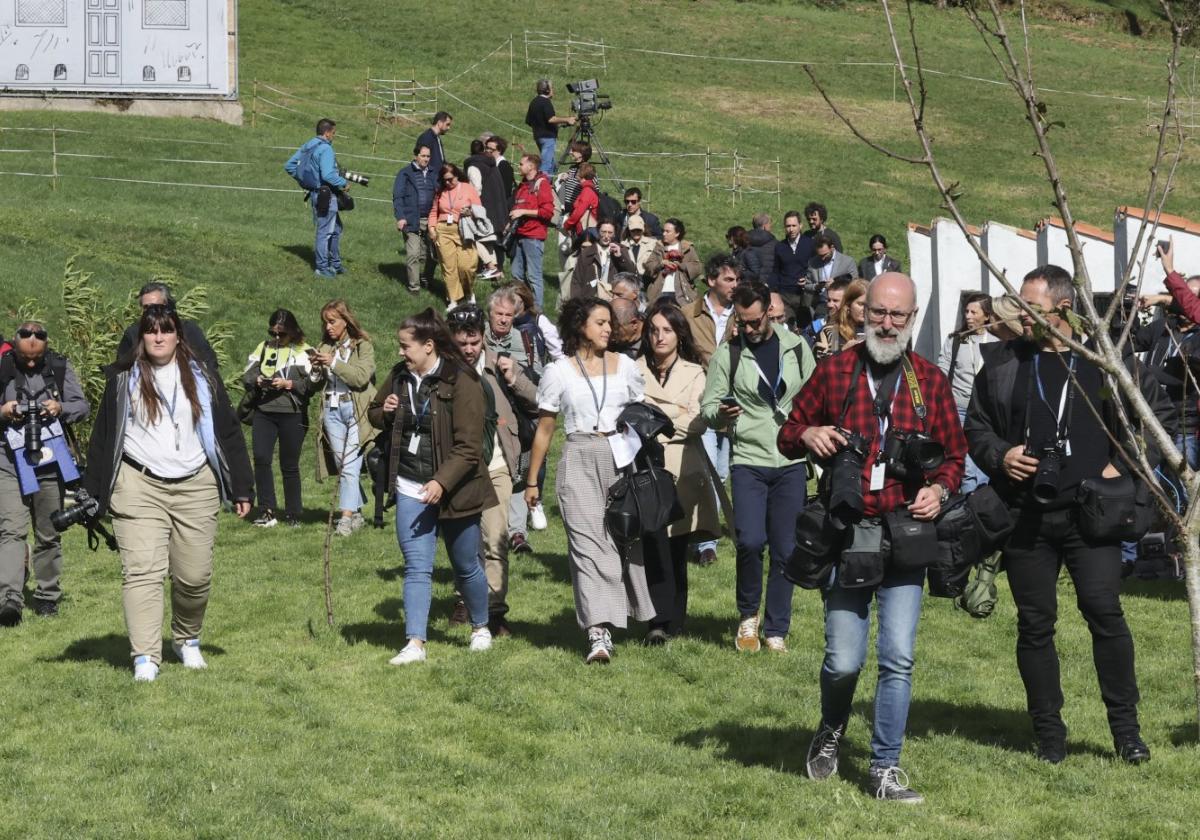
813,427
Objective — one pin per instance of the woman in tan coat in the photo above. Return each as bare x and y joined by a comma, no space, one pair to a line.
676,269
675,383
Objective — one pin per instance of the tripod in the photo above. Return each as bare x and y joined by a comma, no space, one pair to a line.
585,132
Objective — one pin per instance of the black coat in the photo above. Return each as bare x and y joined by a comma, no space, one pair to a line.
763,243
491,191
509,179
989,423
751,262
789,269
889,264
234,477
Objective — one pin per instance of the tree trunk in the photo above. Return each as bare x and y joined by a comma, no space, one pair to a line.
1191,560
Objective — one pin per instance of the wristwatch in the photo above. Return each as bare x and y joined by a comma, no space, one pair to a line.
945,497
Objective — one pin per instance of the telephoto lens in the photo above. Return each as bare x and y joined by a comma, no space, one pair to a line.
33,425
1048,475
357,178
84,510
845,480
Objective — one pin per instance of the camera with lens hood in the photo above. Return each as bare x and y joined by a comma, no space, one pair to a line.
1049,470
911,454
356,177
83,511
845,479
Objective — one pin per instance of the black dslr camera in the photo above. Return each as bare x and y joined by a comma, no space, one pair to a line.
845,479
1049,471
911,454
83,511
31,411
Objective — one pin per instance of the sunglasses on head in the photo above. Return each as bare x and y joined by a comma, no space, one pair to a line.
466,316
24,332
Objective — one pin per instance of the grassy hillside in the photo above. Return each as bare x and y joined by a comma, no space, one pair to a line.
302,730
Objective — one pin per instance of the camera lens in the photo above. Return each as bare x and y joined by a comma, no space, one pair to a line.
1046,479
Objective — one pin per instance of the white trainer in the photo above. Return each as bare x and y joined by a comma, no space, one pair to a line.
537,517
481,639
411,653
144,670
189,653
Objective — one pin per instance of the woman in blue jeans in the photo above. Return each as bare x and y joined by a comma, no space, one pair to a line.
433,409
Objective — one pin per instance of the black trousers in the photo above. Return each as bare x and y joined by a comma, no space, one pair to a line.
1041,545
666,578
289,430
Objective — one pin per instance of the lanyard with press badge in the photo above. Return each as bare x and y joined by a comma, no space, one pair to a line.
414,443
1062,418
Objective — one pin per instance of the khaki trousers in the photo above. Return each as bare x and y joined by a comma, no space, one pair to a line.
493,527
458,262
164,528
16,514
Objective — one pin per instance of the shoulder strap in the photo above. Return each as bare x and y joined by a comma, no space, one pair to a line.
954,347
914,389
735,355
853,383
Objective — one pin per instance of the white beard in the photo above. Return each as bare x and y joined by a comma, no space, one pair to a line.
886,352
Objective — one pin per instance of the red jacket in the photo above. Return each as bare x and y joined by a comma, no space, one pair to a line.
587,200
537,194
819,403
1190,304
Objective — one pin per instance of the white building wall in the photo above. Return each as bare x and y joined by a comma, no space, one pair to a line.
956,270
1098,254
1013,251
1184,234
920,257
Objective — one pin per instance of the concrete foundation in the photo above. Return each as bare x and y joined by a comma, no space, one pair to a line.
222,110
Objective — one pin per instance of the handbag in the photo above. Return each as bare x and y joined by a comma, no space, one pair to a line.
345,201
1108,509
818,546
640,502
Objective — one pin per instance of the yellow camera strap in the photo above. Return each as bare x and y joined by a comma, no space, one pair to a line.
914,389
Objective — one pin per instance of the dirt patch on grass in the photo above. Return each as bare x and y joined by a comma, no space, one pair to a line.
808,113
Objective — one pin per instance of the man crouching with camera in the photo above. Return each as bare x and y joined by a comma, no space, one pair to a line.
39,393
1032,425
884,423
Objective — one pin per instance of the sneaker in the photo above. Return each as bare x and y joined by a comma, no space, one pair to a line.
776,643
189,653
657,637
451,306
747,635
410,653
481,639
823,752
345,527
10,614
340,270
600,647
537,517
44,608
459,616
324,275
266,519
490,274
1132,749
290,521
499,627
144,670
413,290
891,784
1052,751
706,557
519,545
357,521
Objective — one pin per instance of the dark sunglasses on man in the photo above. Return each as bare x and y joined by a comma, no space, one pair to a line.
24,332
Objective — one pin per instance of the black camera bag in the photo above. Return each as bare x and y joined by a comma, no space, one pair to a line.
1108,509
864,561
914,543
818,546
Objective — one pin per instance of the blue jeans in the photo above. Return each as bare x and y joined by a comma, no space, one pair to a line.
972,476
341,430
329,236
716,446
766,502
527,265
847,626
546,148
417,529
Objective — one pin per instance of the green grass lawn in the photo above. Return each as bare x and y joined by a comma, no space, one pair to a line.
299,729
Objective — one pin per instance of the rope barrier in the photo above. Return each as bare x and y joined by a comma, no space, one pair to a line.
453,79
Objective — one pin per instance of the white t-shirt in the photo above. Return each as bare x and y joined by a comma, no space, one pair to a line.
171,447
564,389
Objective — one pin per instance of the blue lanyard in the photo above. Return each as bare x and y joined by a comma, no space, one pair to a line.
1062,416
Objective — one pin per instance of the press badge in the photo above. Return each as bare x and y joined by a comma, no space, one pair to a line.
414,443
877,473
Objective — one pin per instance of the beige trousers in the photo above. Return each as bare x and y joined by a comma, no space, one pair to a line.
458,262
164,528
493,526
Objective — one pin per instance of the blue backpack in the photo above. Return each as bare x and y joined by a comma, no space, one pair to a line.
308,171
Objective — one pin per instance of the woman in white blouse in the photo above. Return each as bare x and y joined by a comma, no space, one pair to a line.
589,387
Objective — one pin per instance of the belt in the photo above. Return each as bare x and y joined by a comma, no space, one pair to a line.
146,471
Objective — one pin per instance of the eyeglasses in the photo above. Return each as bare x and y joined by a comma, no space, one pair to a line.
754,324
898,318
40,335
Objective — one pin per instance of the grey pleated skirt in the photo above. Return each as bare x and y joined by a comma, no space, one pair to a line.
605,593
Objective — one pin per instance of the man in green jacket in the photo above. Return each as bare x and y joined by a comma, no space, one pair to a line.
752,379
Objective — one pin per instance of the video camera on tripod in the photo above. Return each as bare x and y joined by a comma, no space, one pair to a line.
588,100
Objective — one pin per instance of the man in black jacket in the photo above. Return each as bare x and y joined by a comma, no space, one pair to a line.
432,138
763,242
789,267
160,293
1032,411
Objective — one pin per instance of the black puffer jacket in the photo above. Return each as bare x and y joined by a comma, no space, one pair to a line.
762,243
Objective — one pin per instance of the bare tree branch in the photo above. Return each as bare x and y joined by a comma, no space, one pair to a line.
883,150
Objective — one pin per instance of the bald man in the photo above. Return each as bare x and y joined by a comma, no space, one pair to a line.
863,390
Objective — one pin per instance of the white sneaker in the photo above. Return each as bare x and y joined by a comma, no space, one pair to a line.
410,653
144,670
345,527
776,643
189,653
357,521
537,517
747,635
481,639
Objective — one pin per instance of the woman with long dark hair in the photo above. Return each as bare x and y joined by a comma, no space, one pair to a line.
277,377
344,365
674,381
738,240
454,199
590,387
165,453
433,409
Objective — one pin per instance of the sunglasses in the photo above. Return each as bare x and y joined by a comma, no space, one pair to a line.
632,201
40,335
466,316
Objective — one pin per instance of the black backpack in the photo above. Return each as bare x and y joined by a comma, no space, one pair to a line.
609,207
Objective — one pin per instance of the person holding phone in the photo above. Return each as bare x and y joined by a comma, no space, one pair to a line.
277,380
433,409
